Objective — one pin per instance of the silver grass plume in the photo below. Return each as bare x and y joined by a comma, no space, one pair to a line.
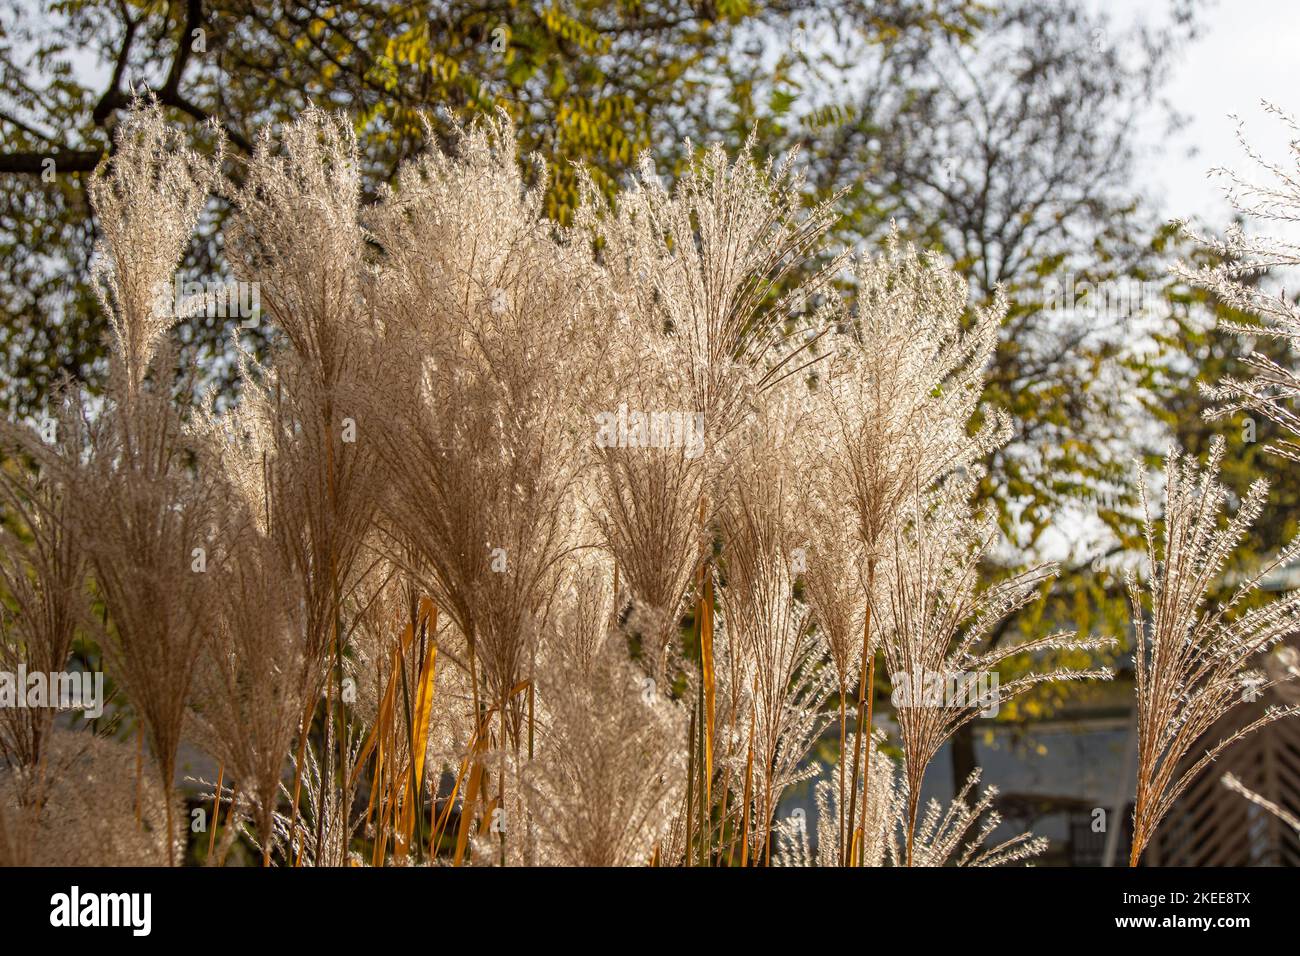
1231,782
42,574
894,404
697,269
611,760
83,806
481,446
698,328
940,834
1195,660
883,813
488,313
247,700
1272,387
140,514
146,208
297,233
766,628
899,393
933,621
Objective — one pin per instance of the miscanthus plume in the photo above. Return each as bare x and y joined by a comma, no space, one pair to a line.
1213,656
1250,275
1195,658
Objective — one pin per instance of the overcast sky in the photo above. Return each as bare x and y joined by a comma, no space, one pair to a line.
1248,50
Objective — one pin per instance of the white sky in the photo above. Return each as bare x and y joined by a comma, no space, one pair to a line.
1248,50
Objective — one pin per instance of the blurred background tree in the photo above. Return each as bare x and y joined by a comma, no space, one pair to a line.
586,81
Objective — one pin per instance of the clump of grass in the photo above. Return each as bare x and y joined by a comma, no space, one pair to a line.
523,544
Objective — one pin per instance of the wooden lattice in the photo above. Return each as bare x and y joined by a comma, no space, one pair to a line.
1213,826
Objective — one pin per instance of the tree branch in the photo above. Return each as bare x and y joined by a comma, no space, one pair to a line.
65,161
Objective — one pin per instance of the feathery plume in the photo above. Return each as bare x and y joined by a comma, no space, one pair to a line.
1195,662
1236,281
611,757
42,574
82,807
939,834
